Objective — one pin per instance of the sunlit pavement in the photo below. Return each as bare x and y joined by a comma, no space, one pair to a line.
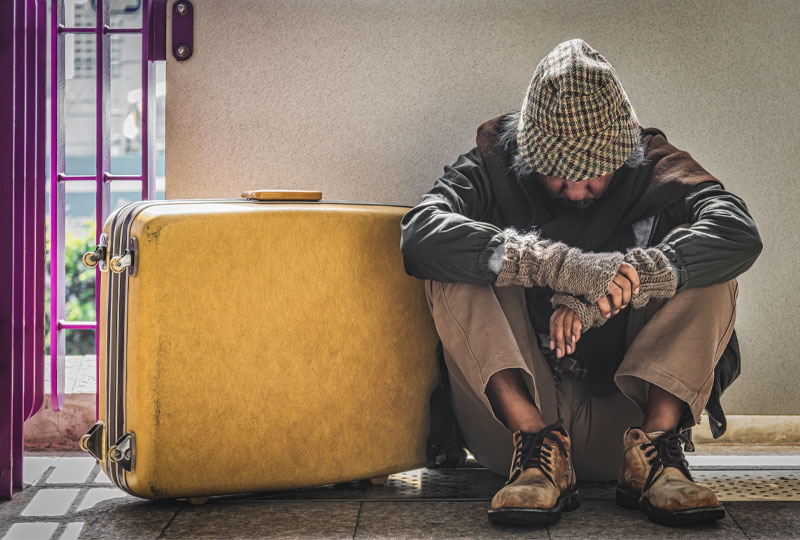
68,496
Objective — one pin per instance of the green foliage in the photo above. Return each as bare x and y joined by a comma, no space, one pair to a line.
79,289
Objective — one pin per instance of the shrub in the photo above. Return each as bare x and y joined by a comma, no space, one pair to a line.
79,290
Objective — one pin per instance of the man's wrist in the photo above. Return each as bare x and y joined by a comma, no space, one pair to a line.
496,260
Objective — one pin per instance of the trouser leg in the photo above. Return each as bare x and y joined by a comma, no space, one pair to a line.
596,426
485,329
676,343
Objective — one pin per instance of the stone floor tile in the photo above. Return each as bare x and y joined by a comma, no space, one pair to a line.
600,518
10,509
50,502
101,477
122,517
72,531
265,519
96,496
33,467
767,519
34,530
435,519
72,470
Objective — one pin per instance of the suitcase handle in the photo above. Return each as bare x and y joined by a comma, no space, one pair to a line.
282,195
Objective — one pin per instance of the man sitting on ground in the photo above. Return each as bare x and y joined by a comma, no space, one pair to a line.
581,272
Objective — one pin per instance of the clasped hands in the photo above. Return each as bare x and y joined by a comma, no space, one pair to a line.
565,324
584,281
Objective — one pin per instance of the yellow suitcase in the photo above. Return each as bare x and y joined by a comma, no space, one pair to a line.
263,343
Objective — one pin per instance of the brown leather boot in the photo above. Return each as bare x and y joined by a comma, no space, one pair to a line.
541,482
655,478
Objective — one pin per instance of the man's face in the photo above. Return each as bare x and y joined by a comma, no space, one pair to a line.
576,195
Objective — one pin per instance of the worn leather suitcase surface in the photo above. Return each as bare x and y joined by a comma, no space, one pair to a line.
253,345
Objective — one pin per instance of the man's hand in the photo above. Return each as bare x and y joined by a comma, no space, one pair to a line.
565,331
531,261
625,283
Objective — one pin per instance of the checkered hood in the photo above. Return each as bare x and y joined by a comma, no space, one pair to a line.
577,122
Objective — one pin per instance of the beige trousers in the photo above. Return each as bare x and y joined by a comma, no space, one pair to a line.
673,343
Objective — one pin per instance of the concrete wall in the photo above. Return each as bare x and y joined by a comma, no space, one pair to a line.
368,100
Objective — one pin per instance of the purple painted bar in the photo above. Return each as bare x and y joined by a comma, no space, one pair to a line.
7,419
76,325
109,177
148,104
108,30
156,22
28,188
65,30
103,153
21,228
20,251
57,201
41,193
67,178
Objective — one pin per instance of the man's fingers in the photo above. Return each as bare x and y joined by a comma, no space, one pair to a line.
577,326
629,272
605,307
553,317
556,332
625,285
615,291
568,317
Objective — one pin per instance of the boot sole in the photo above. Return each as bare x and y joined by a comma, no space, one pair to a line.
627,498
567,502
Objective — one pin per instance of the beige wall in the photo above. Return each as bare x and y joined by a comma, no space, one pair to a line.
368,100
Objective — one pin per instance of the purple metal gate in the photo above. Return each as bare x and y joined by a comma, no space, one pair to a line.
102,177
23,40
23,49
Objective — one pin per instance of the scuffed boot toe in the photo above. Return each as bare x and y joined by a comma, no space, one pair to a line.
542,480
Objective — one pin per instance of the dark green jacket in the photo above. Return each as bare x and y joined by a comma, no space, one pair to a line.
452,231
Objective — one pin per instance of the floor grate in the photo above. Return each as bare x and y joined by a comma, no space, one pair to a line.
779,485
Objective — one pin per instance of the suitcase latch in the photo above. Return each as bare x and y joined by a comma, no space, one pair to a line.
122,453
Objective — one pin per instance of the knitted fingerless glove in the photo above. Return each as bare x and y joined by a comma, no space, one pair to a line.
589,314
532,261
656,279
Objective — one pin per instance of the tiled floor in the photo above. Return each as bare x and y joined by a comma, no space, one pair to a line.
67,496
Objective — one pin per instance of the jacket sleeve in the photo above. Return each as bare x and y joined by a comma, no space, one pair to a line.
444,237
722,242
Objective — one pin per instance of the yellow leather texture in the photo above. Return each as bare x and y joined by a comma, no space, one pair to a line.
273,346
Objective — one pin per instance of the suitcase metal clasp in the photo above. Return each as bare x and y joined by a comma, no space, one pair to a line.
127,259
92,441
122,453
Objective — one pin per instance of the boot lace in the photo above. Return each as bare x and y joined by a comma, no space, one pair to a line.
666,451
535,450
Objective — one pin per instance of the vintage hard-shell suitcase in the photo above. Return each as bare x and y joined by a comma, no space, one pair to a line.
260,343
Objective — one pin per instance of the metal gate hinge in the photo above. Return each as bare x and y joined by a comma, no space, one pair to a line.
182,30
